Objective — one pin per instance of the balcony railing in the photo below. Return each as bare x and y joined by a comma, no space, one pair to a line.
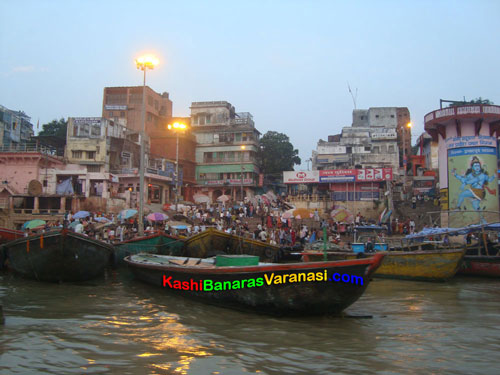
29,147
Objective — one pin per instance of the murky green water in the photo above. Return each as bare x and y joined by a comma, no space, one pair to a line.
119,326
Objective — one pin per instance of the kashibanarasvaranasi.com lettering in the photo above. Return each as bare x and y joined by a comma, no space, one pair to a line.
268,279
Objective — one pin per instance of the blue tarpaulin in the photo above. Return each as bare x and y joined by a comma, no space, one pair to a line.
455,231
65,188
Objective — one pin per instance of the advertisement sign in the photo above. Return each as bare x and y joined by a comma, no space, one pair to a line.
302,177
235,181
472,180
358,175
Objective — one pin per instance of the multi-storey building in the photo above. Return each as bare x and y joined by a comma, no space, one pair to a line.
371,142
15,127
227,145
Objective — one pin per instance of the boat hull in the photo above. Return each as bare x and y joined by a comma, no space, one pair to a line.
415,265
290,298
58,256
212,242
480,265
158,243
7,235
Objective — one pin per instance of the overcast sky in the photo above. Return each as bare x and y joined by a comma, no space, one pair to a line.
286,62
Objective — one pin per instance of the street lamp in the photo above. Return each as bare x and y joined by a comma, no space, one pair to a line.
242,147
404,156
143,63
176,127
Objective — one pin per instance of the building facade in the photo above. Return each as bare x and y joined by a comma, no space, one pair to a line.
226,150
15,127
371,142
123,105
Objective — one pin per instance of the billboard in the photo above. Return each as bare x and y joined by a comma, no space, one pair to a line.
356,175
472,180
302,177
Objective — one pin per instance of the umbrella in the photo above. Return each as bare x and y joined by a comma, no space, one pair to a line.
287,214
180,226
177,224
303,212
265,199
126,214
81,214
342,215
270,194
298,217
157,216
201,198
33,224
223,198
102,219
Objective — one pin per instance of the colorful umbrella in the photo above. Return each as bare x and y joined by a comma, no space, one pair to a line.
81,214
33,224
303,212
157,216
201,198
102,219
287,214
126,214
223,198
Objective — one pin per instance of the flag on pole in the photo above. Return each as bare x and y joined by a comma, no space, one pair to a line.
38,124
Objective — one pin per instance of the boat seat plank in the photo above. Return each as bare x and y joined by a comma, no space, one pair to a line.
191,262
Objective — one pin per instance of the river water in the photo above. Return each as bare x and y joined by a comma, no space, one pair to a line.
119,326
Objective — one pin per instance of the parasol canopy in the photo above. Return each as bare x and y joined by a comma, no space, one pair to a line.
102,219
157,216
303,212
126,214
342,215
287,214
201,198
33,224
223,198
81,214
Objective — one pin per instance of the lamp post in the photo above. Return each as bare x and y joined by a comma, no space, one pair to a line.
404,157
177,126
143,63
242,147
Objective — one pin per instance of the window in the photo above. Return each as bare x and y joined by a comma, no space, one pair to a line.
156,104
122,114
150,117
391,149
208,119
376,116
392,116
362,117
348,150
76,154
367,148
110,114
90,154
44,183
376,150
93,168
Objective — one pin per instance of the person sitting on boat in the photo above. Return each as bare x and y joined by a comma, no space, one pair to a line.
369,246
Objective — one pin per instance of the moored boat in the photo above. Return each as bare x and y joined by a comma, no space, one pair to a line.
430,265
157,243
270,288
7,235
213,242
481,265
59,255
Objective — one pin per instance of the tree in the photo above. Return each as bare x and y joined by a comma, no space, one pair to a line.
277,154
56,128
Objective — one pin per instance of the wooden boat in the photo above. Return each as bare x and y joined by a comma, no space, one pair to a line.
58,256
230,286
430,265
7,235
479,261
157,243
213,242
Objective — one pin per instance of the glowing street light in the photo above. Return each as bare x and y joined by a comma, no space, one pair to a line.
177,126
143,63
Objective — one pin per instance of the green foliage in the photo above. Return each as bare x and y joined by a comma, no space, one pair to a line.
55,128
473,101
277,154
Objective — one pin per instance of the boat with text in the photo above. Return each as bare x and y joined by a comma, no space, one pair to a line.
242,282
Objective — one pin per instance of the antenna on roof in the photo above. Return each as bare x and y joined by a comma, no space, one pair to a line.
354,97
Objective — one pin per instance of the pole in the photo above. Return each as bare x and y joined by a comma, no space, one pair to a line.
141,168
177,171
241,179
404,163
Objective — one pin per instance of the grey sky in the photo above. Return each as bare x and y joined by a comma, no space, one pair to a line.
286,62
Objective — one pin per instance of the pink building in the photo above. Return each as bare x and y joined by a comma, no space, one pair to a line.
468,162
